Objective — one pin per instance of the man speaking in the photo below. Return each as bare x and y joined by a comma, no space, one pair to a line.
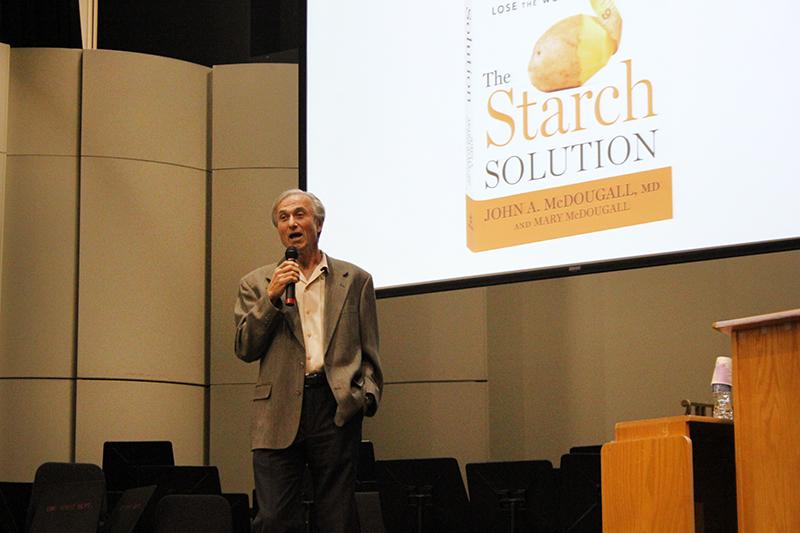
319,372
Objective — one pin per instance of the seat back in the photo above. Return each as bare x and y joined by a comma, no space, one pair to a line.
125,516
193,513
14,500
66,497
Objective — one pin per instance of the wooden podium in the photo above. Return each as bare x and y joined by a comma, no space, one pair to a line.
766,404
669,475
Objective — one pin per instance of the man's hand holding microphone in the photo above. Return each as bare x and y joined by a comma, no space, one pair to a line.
284,279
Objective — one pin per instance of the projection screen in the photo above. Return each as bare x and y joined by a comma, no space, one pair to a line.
457,143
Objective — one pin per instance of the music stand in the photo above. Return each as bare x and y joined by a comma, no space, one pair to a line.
368,498
423,496
126,513
513,496
174,480
120,459
591,449
180,479
579,493
366,479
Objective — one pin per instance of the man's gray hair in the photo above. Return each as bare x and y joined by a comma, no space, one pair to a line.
318,210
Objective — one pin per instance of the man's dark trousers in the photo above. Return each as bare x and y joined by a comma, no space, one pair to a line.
331,454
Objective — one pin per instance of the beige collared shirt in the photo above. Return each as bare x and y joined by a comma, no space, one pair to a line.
310,294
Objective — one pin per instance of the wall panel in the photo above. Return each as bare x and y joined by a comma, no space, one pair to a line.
230,436
255,110
138,106
3,166
616,346
37,317
129,410
5,56
37,310
142,271
662,338
243,239
44,101
432,420
35,417
508,372
39,247
254,158
430,337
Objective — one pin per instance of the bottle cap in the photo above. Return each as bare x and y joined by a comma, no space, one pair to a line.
723,371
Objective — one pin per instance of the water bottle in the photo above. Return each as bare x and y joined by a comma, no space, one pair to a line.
721,389
723,401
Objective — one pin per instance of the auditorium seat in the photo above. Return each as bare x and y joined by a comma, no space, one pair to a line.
66,497
14,500
193,513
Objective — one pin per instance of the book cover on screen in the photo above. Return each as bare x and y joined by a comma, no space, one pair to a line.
567,130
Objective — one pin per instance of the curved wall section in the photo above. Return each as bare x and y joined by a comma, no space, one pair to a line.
255,122
134,410
143,204
142,302
230,435
254,157
39,246
5,56
37,310
44,102
138,106
142,271
104,249
244,239
36,417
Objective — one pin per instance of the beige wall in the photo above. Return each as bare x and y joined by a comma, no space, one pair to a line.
102,329
433,350
5,55
142,274
437,385
40,230
106,245
570,357
254,157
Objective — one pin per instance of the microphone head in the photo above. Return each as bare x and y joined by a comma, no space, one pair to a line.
291,253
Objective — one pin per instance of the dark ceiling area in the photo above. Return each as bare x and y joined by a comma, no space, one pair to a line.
38,23
207,32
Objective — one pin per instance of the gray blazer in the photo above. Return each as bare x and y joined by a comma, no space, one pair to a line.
274,337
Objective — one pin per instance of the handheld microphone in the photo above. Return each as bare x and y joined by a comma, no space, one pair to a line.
291,253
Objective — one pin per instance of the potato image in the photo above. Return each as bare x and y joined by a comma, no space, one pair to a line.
569,53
